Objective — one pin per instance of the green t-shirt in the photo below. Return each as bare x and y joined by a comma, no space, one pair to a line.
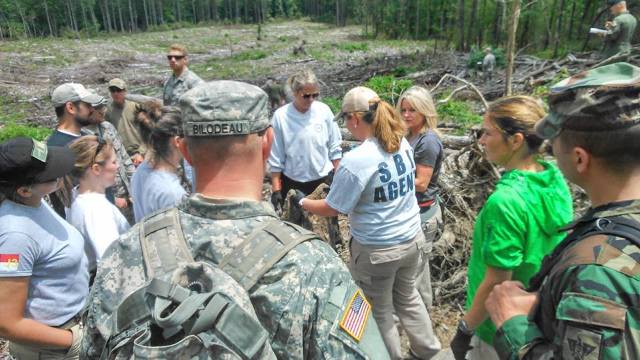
517,227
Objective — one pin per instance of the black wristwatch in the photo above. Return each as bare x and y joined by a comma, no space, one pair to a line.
464,327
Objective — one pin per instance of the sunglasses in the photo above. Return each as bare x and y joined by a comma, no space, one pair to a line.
177,57
343,118
115,90
307,96
101,143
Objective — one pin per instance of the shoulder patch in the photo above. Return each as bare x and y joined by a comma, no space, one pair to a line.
9,262
355,316
581,344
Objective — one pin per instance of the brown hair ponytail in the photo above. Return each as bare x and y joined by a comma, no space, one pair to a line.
386,124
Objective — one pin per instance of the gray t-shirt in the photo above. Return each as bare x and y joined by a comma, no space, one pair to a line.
376,189
153,190
38,243
428,151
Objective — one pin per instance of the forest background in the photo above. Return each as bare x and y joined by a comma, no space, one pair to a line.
551,28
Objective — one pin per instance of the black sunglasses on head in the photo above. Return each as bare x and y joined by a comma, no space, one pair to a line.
307,96
101,142
177,57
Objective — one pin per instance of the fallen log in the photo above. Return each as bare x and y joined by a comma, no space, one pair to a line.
454,142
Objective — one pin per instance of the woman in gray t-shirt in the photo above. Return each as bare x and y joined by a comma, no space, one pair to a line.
374,185
421,120
44,277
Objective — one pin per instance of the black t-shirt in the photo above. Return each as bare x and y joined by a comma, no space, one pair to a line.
428,151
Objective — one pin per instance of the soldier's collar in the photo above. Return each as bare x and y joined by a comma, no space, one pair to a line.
611,209
225,209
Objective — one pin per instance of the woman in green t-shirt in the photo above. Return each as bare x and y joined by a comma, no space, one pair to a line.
518,225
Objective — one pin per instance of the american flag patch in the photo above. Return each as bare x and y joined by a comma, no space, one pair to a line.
356,315
9,262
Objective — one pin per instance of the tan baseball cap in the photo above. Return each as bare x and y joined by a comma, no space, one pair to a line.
118,83
72,92
356,100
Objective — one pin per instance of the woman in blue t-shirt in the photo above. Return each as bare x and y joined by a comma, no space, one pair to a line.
44,279
421,120
374,185
157,182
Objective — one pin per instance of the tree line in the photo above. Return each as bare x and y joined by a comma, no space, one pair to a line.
463,24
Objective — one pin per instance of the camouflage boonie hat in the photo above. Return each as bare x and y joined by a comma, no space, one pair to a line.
222,108
602,99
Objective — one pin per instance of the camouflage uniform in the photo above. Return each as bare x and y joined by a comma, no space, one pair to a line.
618,38
175,87
588,301
300,301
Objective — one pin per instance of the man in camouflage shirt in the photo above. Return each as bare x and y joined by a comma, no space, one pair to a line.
182,78
304,299
617,39
585,301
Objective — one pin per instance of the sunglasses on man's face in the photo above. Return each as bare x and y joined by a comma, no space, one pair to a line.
115,89
177,57
307,96
101,143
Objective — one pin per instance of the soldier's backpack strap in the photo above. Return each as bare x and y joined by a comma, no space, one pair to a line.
582,253
257,254
163,244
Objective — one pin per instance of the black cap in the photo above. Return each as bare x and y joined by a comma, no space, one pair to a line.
27,161
613,2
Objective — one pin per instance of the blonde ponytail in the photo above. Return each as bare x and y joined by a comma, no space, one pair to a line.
386,124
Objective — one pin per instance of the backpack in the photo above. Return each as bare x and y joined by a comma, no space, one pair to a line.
194,309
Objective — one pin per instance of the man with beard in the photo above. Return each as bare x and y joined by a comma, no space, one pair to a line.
73,108
73,104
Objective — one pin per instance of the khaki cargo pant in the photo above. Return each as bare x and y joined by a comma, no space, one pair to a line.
431,221
30,352
387,276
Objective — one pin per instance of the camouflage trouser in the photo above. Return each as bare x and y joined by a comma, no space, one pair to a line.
432,224
31,352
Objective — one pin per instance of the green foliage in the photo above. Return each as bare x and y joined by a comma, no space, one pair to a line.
334,103
250,55
388,87
458,112
11,130
477,55
404,70
353,47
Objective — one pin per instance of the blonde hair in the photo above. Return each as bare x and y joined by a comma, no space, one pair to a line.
421,100
518,114
85,150
298,80
179,47
386,124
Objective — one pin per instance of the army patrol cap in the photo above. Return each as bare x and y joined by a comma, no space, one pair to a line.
358,99
72,92
118,84
224,108
601,99
26,161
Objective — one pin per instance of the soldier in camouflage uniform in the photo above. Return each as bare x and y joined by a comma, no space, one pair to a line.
617,39
182,79
584,303
304,299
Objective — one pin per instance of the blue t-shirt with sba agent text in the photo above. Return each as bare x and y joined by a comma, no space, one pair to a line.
36,242
376,189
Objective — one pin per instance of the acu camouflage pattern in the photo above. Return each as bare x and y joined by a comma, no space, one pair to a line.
224,107
589,305
618,38
600,99
175,87
299,301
